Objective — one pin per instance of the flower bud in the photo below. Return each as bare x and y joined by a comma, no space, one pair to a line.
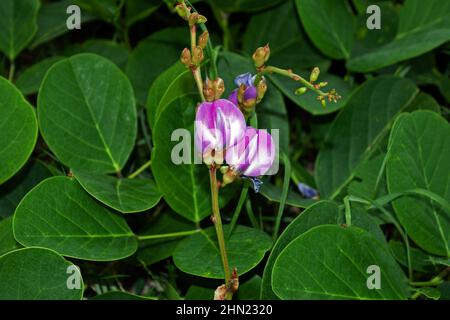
314,75
203,39
228,177
324,103
185,57
261,56
197,56
180,8
307,191
323,84
261,90
219,88
208,90
301,91
195,18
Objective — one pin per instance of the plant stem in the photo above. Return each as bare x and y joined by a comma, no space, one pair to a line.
168,235
294,76
12,69
238,210
437,280
140,170
198,81
218,223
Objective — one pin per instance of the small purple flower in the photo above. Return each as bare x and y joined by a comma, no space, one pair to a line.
250,93
307,191
253,155
247,79
218,125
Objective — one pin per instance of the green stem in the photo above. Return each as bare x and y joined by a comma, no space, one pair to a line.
218,223
251,214
198,81
140,169
348,212
168,235
12,69
437,280
238,210
292,75
284,193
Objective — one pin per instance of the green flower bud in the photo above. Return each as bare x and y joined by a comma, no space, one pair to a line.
314,75
301,91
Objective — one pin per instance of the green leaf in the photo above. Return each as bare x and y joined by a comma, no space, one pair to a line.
17,25
359,129
423,26
30,80
154,55
170,85
136,10
281,28
124,195
111,50
250,289
199,254
420,261
273,193
7,241
199,293
419,157
329,24
15,189
331,262
108,10
243,5
185,187
155,250
87,113
18,127
52,21
322,212
366,177
36,274
230,65
58,214
444,290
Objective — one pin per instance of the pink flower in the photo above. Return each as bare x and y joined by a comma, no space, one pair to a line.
218,126
253,155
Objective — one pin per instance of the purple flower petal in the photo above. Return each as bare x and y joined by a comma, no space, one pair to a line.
246,79
218,125
250,93
253,155
307,191
234,97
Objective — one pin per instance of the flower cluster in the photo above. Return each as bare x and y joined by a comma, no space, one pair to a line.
222,136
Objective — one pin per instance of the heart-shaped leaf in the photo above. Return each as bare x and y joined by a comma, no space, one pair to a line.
18,127
87,113
419,157
58,214
332,262
199,254
124,195
38,274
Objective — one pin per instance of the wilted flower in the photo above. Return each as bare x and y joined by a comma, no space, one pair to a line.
251,157
307,191
218,125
